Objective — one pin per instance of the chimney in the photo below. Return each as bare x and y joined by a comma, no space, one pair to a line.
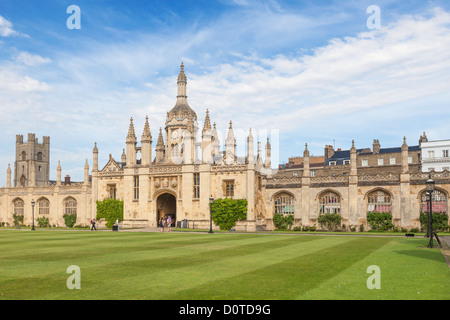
376,146
67,180
329,151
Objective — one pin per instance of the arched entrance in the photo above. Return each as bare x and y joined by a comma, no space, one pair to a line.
166,205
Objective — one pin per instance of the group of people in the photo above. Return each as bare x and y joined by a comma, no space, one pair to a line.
93,221
165,222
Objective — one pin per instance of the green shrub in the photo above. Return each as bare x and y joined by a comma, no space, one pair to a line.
330,221
282,221
380,221
440,221
110,210
43,222
226,212
70,219
18,220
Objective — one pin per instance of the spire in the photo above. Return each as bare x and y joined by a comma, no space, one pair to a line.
306,152
146,135
207,125
230,136
160,139
131,135
182,80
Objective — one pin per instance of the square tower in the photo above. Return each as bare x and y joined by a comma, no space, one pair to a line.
32,165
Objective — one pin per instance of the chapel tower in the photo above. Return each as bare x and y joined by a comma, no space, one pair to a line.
32,165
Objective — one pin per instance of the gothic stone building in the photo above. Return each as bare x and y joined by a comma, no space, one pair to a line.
179,180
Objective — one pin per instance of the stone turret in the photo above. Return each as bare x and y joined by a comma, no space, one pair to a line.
146,145
131,145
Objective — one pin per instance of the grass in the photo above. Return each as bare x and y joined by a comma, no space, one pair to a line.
195,266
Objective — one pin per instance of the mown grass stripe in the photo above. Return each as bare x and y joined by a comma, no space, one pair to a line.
290,278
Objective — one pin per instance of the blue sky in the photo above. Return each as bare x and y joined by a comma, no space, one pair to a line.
298,71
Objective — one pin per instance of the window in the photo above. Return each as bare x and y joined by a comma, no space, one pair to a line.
39,156
444,153
229,188
329,202
332,163
18,207
196,185
380,162
346,161
24,155
284,204
439,201
364,163
410,160
392,160
112,190
70,206
431,154
43,206
136,188
378,201
313,173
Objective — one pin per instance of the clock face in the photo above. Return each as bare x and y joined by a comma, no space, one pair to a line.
175,134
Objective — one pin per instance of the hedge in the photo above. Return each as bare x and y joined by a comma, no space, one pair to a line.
380,221
331,221
110,210
226,212
282,221
440,221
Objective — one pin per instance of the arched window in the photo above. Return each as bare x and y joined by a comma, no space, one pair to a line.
44,206
439,200
284,203
70,206
329,202
18,207
39,156
24,155
379,201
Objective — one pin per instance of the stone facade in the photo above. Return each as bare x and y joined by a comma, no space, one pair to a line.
179,179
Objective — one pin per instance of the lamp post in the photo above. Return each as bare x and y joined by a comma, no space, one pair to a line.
211,201
430,190
32,208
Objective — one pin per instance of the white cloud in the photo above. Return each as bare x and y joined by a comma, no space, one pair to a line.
6,28
31,59
13,82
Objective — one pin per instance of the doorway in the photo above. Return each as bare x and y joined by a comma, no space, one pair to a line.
166,205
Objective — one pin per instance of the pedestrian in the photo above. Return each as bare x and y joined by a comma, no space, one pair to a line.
162,224
169,223
117,224
93,225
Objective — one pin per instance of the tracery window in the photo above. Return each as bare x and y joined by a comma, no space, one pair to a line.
70,206
439,200
329,202
379,201
18,207
44,206
283,204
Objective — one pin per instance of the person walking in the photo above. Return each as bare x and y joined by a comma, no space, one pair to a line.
93,225
117,224
169,223
161,223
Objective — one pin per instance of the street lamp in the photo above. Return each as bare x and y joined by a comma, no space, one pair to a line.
211,201
430,189
32,206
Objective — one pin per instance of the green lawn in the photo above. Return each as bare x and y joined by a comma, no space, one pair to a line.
193,266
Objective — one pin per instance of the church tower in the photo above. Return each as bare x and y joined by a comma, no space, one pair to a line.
181,127
32,165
